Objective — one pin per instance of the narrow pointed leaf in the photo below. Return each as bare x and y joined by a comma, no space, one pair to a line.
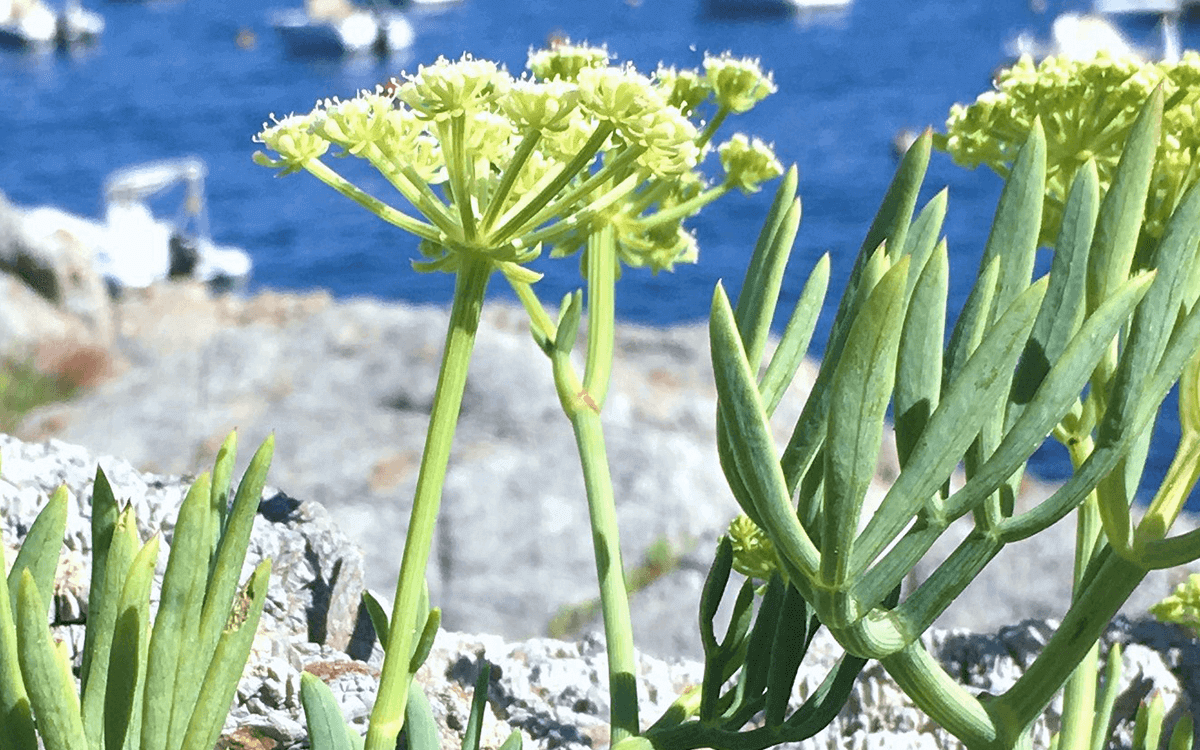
123,691
796,337
183,585
228,662
861,390
103,606
752,442
1124,205
764,275
16,731
104,520
953,425
40,550
919,360
326,727
47,674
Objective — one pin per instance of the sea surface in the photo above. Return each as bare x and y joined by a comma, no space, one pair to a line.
168,79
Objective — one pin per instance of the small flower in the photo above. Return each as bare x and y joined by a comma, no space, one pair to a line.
535,105
658,247
1086,108
292,138
1182,607
357,123
565,61
753,553
670,141
737,84
447,89
685,89
748,163
621,96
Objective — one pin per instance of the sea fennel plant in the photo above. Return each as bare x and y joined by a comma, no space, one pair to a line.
582,155
161,685
1087,353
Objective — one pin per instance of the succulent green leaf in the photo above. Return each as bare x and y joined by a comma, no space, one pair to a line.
923,236
513,741
570,312
420,729
222,479
424,643
235,538
752,443
724,660
952,427
972,322
327,730
104,520
891,226
1054,396
379,618
919,359
1147,726
796,336
861,389
1014,235
713,592
16,730
126,678
103,606
221,680
177,617
1108,698
752,677
40,551
764,275
795,627
478,705
1124,205
47,673
1181,735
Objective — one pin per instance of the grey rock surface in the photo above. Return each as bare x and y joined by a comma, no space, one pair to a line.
346,387
552,691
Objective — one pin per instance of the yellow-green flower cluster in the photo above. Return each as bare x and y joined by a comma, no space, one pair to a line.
753,553
1183,606
500,166
1086,108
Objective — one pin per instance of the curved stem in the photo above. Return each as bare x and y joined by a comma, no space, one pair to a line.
397,218
387,716
614,596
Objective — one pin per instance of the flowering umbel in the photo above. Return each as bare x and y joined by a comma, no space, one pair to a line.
1086,108
500,166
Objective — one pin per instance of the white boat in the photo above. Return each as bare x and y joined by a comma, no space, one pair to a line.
1082,36
752,8
335,28
31,24
140,248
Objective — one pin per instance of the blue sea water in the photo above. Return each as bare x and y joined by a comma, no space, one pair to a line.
167,79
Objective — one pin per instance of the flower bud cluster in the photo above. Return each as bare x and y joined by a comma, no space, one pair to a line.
753,553
1086,108
499,165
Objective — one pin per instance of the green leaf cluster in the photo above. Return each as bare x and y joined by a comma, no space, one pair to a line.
142,686
1087,353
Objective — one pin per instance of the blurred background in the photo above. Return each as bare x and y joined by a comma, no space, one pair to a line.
169,78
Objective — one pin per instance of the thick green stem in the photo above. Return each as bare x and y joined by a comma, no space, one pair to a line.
614,596
387,716
601,279
1094,607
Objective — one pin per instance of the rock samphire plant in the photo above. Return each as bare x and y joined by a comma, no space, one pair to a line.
165,685
587,156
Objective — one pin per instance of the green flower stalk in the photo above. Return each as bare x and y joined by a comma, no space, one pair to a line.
579,156
1087,109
